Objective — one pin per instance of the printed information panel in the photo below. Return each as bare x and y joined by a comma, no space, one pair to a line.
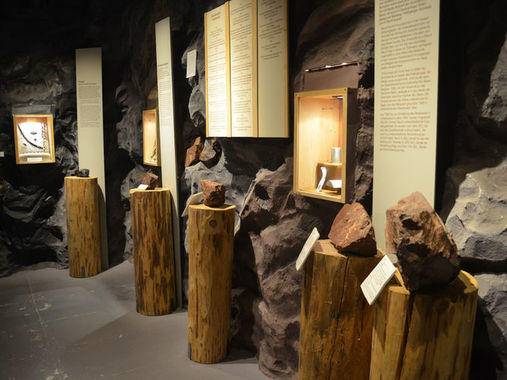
90,135
406,90
218,90
273,88
166,130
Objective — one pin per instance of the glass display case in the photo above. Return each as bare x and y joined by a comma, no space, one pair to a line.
322,142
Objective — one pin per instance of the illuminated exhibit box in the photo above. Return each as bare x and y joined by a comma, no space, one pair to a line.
151,141
34,139
325,124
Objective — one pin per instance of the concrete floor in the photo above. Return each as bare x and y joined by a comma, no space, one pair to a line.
56,327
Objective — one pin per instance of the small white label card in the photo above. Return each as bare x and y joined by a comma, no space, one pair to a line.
2,154
334,183
378,278
191,63
142,187
307,248
192,200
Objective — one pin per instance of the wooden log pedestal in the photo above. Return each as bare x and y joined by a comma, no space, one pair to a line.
424,335
336,320
153,251
83,226
210,253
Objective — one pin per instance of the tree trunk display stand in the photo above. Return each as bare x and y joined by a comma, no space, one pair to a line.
83,226
426,335
336,320
153,251
210,246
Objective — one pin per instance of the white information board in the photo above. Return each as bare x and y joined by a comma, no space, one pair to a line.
406,90
167,138
243,34
90,134
217,69
273,90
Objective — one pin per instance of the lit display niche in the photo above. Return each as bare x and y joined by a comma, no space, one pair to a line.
33,137
323,138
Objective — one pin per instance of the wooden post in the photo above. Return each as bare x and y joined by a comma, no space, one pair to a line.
427,335
83,226
153,251
210,246
336,320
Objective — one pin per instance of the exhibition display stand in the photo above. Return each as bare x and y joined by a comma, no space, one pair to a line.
425,335
153,251
210,246
336,320
83,226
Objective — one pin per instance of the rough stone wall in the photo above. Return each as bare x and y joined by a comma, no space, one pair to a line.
33,211
475,198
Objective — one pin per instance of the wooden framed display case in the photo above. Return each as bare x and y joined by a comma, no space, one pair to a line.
151,141
34,139
325,123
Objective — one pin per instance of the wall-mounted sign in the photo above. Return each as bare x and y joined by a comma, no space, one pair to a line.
166,133
90,127
406,89
246,61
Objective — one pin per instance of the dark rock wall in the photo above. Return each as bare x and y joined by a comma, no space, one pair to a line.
37,67
473,143
32,215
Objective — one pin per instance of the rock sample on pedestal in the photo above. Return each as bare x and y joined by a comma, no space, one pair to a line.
213,192
352,231
82,173
426,252
150,180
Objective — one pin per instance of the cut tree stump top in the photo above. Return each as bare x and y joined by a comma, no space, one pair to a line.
224,207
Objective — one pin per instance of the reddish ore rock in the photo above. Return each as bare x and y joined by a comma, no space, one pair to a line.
194,152
151,180
214,193
426,252
209,155
352,231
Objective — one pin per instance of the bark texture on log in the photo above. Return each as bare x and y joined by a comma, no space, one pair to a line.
83,226
210,245
153,251
336,320
424,335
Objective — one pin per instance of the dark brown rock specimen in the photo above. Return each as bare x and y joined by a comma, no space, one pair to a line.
193,153
352,231
426,252
83,173
151,180
214,193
